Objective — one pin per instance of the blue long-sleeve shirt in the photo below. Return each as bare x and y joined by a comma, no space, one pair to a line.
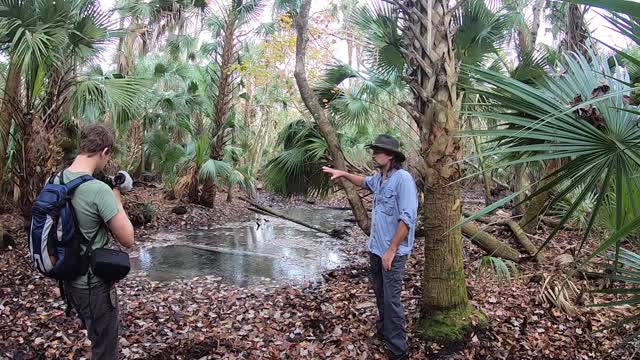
395,199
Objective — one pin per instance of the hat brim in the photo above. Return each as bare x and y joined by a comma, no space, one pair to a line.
399,154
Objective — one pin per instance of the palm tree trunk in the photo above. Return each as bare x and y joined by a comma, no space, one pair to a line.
262,139
445,310
120,54
519,184
358,56
248,105
40,143
350,46
207,197
486,175
349,32
534,211
538,7
326,129
574,40
137,147
143,162
527,44
230,194
576,31
256,155
223,103
9,108
193,189
144,43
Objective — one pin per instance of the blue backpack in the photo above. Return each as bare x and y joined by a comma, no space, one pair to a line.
54,238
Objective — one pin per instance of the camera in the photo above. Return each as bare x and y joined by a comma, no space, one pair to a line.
112,181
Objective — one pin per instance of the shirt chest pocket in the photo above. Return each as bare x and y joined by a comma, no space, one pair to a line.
387,201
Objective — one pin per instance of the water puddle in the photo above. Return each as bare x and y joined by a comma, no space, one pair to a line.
263,250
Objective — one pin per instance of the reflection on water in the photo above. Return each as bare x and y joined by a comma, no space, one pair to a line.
179,261
250,253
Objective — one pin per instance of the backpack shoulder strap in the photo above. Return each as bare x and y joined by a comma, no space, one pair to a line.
59,175
89,249
73,184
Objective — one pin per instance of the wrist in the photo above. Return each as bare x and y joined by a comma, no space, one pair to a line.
393,249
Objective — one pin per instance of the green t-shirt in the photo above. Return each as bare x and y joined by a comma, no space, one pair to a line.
94,204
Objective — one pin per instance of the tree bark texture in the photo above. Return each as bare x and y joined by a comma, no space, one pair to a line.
326,128
223,105
519,184
433,79
10,105
535,210
488,243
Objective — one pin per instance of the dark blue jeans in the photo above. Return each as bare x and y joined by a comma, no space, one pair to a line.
387,286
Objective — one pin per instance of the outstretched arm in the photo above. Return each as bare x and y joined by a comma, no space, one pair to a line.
336,174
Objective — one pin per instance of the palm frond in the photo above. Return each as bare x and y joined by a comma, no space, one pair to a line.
533,66
215,170
216,24
625,25
378,23
247,10
137,9
266,29
287,6
182,47
481,31
550,123
328,89
504,270
628,7
164,153
91,30
107,94
297,169
583,209
623,266
210,48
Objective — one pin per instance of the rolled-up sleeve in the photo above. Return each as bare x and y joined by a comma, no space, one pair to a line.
407,201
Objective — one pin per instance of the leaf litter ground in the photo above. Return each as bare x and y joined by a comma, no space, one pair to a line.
333,319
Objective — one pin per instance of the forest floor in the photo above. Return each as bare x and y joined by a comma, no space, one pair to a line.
334,319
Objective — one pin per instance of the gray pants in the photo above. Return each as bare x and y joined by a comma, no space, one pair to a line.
98,309
387,286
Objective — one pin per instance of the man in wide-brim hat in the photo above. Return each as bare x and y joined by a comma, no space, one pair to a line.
395,209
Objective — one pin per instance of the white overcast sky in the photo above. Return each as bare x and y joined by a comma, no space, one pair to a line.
598,25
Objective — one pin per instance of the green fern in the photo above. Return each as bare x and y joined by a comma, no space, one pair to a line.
503,270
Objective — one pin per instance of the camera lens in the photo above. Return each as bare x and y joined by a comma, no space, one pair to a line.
119,179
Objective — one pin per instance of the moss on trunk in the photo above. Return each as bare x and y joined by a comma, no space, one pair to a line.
451,325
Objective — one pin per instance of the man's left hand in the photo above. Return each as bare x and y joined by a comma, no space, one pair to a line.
387,259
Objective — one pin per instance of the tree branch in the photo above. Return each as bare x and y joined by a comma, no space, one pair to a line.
326,129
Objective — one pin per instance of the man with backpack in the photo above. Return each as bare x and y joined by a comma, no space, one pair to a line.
95,210
395,207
